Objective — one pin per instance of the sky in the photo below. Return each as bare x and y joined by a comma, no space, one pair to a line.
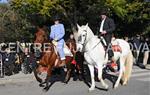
3,1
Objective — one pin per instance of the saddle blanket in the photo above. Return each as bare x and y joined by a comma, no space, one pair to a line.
116,48
66,51
115,45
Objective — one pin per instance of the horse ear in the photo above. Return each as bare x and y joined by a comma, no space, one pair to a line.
87,25
78,26
75,35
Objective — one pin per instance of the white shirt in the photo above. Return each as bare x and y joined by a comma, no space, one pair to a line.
102,24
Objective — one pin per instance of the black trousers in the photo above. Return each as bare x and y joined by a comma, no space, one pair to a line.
108,38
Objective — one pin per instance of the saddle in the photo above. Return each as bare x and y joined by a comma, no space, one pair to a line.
66,51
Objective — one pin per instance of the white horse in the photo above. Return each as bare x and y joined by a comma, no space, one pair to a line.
94,54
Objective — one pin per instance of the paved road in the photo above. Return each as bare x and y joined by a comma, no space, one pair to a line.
21,84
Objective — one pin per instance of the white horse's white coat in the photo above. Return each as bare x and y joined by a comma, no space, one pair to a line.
94,54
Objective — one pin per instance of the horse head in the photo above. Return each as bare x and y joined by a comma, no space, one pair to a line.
84,34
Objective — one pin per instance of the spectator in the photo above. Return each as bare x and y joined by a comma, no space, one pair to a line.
145,51
136,48
126,39
9,61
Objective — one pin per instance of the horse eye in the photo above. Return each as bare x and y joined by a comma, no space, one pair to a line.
84,30
79,39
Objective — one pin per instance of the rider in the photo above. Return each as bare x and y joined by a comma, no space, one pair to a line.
71,43
107,27
56,35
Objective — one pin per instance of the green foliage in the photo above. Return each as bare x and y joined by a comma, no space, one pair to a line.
12,27
129,11
128,14
118,6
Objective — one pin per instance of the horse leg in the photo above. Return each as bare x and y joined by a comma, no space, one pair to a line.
100,77
122,61
68,74
49,72
91,68
78,69
36,71
128,68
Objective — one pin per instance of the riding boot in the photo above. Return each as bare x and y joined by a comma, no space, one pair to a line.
110,55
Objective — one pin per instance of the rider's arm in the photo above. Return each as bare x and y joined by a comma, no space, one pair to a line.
61,33
111,26
52,35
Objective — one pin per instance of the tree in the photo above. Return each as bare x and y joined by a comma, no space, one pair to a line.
128,14
13,27
72,10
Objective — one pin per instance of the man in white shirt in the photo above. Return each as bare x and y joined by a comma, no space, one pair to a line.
107,27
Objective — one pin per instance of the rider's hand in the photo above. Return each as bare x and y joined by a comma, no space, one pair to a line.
55,39
104,32
54,42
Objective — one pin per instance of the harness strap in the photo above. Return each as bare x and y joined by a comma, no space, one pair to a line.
103,41
94,46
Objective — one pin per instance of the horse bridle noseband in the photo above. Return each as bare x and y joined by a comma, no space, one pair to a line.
83,44
84,39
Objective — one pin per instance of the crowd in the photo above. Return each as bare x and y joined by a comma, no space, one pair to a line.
13,62
140,46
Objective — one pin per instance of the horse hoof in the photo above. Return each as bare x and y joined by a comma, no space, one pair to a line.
41,85
66,81
80,78
124,83
106,87
116,86
91,89
45,89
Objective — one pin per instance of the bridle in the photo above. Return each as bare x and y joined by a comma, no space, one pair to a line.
85,42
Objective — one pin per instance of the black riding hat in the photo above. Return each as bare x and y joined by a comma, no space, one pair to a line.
104,12
56,18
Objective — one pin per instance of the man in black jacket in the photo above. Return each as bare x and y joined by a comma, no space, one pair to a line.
107,27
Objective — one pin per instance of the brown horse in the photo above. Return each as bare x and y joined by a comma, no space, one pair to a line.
48,59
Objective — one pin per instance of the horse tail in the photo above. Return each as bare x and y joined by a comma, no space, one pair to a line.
128,67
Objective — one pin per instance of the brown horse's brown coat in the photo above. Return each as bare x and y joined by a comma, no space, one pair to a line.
48,58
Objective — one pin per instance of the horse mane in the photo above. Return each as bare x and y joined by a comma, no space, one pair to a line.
41,34
90,31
